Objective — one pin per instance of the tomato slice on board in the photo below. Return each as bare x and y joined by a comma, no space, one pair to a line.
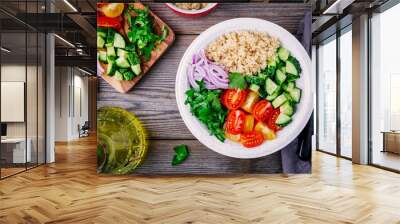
104,21
272,120
234,123
233,98
113,10
262,110
252,139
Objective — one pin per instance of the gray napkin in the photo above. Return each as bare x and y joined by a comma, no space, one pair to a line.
296,157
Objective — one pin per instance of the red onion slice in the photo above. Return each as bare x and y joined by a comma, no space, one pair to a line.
201,68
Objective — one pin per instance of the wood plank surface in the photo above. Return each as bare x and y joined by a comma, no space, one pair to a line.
203,161
70,191
153,98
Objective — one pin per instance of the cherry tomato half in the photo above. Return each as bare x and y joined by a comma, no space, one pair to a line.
112,10
262,110
104,21
252,139
234,123
233,98
271,122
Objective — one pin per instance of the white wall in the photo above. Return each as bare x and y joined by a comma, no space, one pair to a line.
71,94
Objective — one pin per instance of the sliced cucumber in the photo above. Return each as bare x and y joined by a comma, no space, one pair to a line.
281,99
128,75
283,54
254,87
273,61
270,86
100,42
110,36
291,78
136,69
108,45
287,109
288,86
291,69
111,67
295,94
289,97
103,56
102,32
119,41
273,96
122,62
111,51
118,76
262,76
122,53
280,77
283,119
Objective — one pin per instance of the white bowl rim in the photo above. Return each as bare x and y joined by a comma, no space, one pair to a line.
236,150
209,6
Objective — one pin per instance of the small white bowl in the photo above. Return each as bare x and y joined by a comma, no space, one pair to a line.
192,13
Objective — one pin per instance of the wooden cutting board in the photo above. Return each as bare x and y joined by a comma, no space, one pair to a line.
124,86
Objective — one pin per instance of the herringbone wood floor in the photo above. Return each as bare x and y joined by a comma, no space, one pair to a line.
70,191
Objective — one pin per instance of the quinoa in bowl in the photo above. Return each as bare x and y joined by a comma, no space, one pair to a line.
246,52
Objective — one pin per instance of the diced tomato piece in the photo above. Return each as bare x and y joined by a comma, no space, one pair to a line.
252,139
234,123
262,110
233,98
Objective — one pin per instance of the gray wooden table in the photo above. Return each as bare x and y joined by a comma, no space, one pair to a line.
153,99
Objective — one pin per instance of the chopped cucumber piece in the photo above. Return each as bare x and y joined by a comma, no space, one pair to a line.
272,62
102,32
281,99
122,62
283,54
289,97
100,42
273,96
280,77
288,86
103,56
254,87
118,76
122,53
108,44
291,78
111,67
287,109
136,69
111,51
283,119
119,41
128,75
110,36
295,94
270,86
291,69
262,76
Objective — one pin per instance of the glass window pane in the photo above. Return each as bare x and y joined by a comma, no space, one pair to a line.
346,94
327,96
14,153
31,97
385,90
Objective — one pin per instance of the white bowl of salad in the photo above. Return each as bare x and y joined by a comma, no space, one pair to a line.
243,88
